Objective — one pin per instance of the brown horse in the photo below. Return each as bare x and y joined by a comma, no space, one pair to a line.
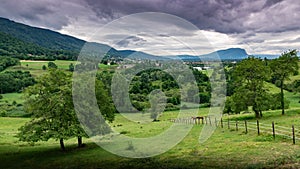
197,119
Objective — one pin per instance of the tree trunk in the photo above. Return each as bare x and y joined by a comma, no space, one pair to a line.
257,114
62,145
256,111
260,113
79,138
282,97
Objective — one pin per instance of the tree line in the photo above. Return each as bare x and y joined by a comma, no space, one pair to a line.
15,81
6,62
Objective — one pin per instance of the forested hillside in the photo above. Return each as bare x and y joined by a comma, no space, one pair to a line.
14,47
41,37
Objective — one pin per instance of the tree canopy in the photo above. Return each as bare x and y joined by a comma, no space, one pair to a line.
249,76
282,68
53,115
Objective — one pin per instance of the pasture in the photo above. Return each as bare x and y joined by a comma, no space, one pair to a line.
35,66
226,148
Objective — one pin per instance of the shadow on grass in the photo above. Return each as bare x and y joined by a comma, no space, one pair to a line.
91,156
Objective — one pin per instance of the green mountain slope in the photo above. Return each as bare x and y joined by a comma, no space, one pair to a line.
14,47
42,37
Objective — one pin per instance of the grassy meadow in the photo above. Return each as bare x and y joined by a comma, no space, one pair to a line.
226,148
35,67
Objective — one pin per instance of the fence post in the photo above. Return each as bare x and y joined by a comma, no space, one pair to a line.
209,120
216,122
236,126
205,119
228,123
273,129
293,130
246,126
221,122
257,122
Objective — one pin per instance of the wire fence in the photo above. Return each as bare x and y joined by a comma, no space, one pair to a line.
247,126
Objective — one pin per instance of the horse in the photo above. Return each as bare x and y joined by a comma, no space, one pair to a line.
198,119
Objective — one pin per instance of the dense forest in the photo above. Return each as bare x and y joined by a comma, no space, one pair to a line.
16,48
15,81
6,62
41,37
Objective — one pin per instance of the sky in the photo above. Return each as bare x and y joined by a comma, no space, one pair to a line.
259,26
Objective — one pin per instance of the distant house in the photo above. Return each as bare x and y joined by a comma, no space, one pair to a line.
206,68
198,68
202,68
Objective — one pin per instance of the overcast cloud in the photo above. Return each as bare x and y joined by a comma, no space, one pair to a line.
259,26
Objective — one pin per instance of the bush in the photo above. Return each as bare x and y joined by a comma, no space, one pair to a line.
204,97
170,107
52,65
140,106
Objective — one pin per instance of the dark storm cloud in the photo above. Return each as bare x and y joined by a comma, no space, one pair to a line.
224,16
45,13
245,22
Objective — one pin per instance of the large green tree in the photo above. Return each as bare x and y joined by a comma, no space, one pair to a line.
249,76
282,68
53,115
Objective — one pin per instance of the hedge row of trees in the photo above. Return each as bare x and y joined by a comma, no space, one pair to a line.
15,81
6,62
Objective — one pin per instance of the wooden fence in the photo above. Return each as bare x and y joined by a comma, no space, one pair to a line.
272,129
246,126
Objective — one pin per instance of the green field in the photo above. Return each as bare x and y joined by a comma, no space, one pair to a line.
10,97
226,148
35,67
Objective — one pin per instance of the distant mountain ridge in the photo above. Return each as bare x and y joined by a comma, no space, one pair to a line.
47,42
226,54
